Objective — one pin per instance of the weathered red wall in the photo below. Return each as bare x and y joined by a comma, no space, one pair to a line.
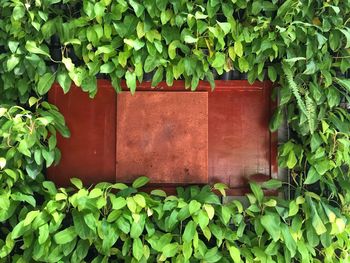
119,137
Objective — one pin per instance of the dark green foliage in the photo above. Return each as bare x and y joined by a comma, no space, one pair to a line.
302,45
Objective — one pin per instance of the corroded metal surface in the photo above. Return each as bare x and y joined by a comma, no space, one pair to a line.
89,154
173,136
162,135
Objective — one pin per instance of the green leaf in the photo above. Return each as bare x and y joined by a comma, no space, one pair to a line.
137,248
219,60
272,184
271,222
138,8
23,148
317,223
18,12
288,239
203,219
65,236
118,203
189,232
43,234
346,33
256,189
190,39
77,183
292,160
64,80
276,120
2,163
235,254
272,73
221,188
194,206
141,181
45,83
312,176
243,64
30,217
172,48
158,77
293,208
12,62
131,81
31,46
140,200
238,48
134,43
170,250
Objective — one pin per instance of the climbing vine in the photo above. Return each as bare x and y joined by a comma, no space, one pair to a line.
300,45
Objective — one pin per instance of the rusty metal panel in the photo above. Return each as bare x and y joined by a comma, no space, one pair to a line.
162,135
90,153
239,137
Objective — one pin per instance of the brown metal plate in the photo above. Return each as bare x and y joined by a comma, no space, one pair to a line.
162,135
239,138
89,154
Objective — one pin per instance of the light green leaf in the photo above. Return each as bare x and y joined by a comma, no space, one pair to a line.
12,62
137,248
18,12
65,236
238,48
131,81
32,47
271,222
64,80
235,254
2,163
189,232
45,83
141,181
312,176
